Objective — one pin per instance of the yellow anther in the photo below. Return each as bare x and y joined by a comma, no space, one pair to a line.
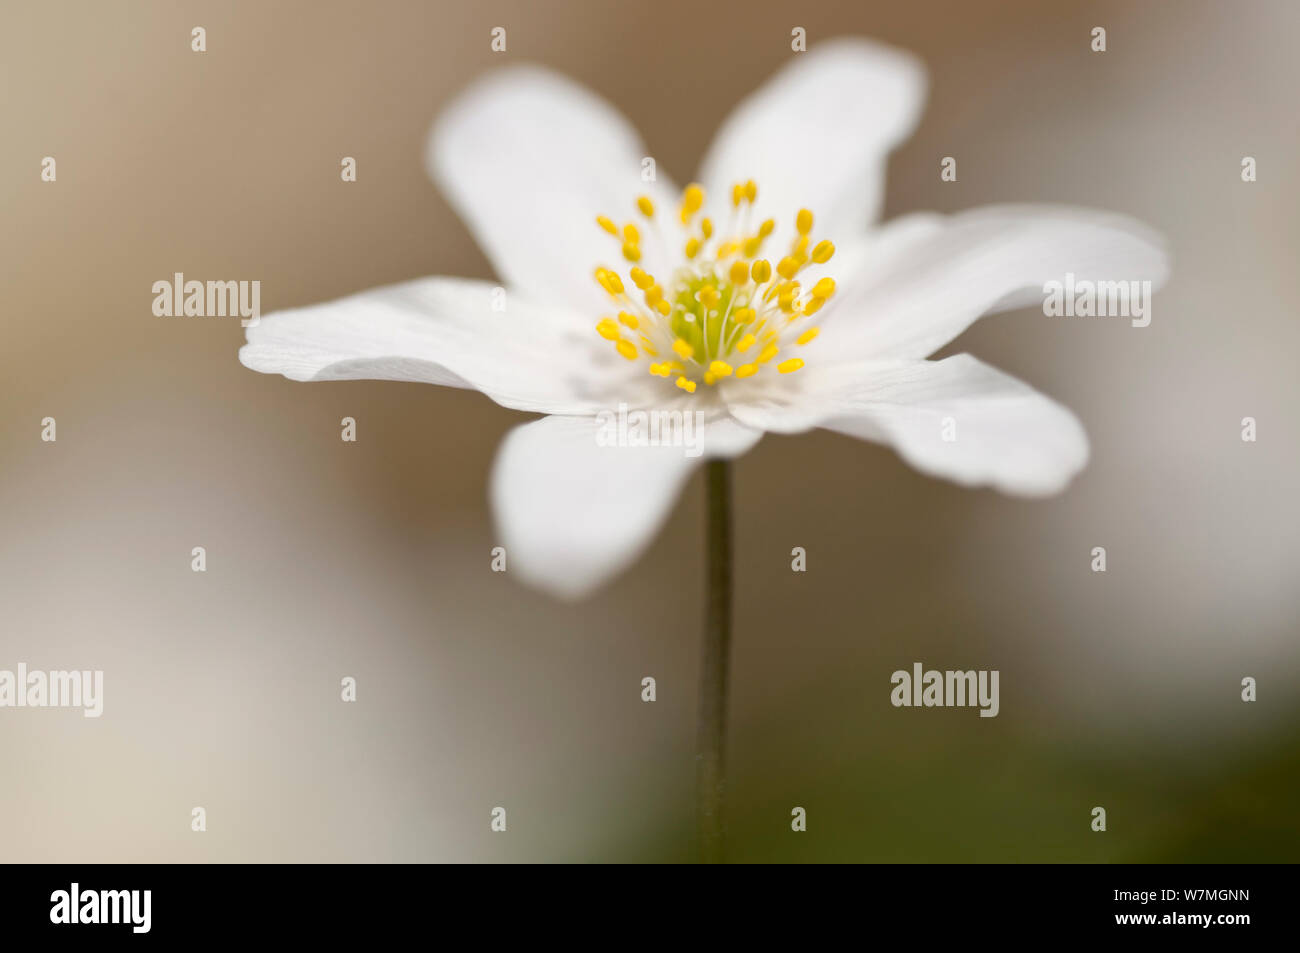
607,329
751,247
822,253
646,206
663,307
709,296
642,279
720,369
692,247
709,378
751,191
768,353
766,228
807,336
824,288
610,281
737,194
684,384
607,224
744,315
745,343
739,273
727,249
761,270
787,267
786,301
683,349
631,234
628,320
706,228
790,366
800,247
648,346
654,294
814,305
803,221
692,199
746,370
631,251
627,349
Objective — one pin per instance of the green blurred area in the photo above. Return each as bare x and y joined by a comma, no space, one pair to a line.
939,786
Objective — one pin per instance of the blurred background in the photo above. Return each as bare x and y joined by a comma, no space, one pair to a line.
327,559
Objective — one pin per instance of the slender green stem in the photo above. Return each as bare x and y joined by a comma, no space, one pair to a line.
711,777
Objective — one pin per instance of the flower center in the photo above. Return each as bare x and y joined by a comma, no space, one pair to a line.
724,311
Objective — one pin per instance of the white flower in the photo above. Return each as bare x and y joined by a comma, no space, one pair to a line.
718,299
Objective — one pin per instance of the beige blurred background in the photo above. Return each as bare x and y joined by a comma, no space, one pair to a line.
328,559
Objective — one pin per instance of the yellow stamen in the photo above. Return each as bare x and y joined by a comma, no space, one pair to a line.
717,302
692,200
788,267
610,281
824,288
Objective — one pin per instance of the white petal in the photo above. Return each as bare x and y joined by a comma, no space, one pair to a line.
817,134
528,159
949,272
573,513
1005,434
443,331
